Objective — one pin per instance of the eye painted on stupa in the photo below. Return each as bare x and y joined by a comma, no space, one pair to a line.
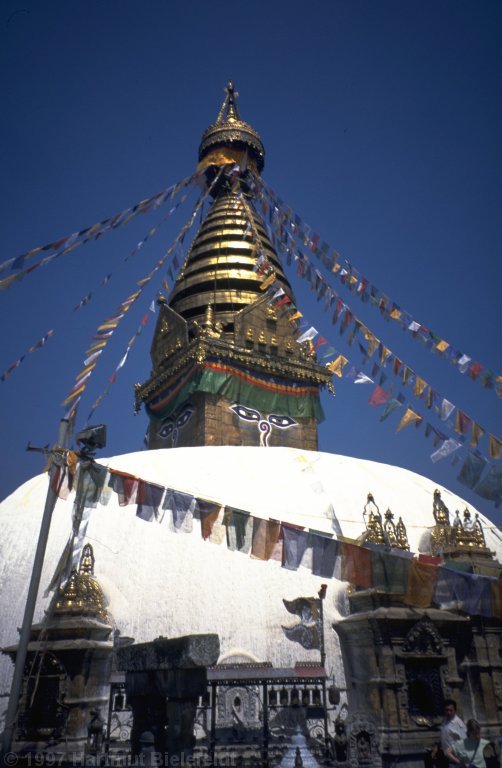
166,428
281,421
184,416
248,414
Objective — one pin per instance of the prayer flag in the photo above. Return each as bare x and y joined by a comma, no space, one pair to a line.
447,409
295,541
409,417
361,378
239,526
308,335
182,506
420,385
148,499
390,406
124,485
266,535
389,572
336,366
463,363
448,447
442,346
490,487
421,584
325,552
356,565
378,397
208,512
472,469
461,423
495,448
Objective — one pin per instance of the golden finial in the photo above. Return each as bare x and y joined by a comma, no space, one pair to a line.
82,593
390,529
373,519
401,534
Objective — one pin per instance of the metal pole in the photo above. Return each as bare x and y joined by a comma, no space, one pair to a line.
24,638
322,595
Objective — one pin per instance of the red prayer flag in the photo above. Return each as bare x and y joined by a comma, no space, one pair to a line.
378,397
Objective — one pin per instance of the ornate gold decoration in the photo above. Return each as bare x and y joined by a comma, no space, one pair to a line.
396,534
462,537
230,130
373,519
401,535
82,594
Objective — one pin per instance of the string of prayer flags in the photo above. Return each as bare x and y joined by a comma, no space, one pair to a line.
110,324
422,581
288,227
68,244
5,375
421,388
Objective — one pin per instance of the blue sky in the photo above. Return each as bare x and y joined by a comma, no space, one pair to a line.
381,123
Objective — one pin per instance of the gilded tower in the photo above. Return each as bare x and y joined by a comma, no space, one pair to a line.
227,369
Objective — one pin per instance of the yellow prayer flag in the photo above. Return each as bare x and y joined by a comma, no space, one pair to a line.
395,314
384,355
477,433
372,340
268,281
295,316
336,366
94,347
7,281
408,418
86,370
442,346
107,326
74,395
336,268
495,448
419,387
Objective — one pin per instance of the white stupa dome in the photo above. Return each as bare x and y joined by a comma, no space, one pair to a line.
160,582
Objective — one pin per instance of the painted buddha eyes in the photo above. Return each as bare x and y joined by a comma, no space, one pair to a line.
172,425
281,421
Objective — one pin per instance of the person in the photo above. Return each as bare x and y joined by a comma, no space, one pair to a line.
468,752
453,728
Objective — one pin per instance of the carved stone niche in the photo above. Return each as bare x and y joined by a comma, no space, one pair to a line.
423,658
363,742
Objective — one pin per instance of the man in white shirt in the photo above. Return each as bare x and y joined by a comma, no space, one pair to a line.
453,728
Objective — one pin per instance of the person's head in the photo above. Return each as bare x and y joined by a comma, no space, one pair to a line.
450,708
473,729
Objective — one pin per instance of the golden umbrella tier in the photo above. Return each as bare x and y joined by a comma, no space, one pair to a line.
220,268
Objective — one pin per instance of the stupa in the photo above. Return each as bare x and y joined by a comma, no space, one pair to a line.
235,524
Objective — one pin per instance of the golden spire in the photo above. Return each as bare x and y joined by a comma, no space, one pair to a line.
231,133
